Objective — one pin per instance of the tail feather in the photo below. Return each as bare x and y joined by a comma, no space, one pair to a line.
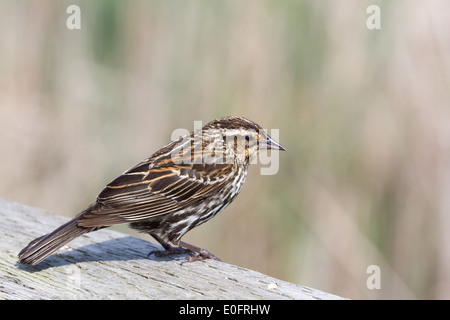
40,248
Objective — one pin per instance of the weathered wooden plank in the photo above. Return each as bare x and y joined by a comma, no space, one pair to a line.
111,265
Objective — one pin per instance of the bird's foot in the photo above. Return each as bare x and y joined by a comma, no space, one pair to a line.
201,253
183,248
170,251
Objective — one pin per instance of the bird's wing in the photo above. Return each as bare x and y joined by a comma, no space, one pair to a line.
151,189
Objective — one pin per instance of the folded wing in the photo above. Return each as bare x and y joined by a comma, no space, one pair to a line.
148,190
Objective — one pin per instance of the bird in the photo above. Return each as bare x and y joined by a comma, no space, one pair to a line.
176,189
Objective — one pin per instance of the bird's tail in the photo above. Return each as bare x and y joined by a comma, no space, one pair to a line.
40,248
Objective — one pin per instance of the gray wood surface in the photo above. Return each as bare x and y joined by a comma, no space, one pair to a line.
111,265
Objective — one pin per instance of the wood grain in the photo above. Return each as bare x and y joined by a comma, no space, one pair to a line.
111,265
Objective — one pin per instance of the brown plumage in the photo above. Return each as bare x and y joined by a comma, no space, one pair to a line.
179,187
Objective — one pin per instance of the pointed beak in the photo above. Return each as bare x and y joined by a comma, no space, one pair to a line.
271,144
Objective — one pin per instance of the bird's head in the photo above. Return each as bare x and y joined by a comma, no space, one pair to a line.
238,137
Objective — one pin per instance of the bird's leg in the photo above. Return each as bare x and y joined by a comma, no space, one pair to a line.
168,249
202,253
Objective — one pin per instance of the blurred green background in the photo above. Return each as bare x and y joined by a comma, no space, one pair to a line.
364,114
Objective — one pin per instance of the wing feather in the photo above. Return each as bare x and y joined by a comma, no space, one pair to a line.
148,190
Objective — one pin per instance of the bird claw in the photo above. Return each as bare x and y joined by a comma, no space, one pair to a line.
170,251
183,248
202,256
201,253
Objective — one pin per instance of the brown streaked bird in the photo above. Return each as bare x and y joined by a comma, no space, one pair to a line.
179,187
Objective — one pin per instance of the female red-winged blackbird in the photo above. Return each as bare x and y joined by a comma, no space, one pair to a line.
179,187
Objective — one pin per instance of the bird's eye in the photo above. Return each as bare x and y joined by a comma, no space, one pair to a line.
247,138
